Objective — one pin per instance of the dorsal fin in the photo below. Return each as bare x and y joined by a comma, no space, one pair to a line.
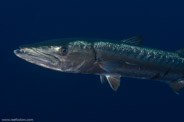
135,40
180,52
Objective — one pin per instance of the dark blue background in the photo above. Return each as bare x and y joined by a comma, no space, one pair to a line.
29,91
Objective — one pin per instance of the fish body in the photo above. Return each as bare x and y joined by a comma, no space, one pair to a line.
108,58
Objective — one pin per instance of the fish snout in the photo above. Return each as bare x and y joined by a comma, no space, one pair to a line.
18,51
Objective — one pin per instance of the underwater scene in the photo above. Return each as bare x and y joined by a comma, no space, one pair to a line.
92,61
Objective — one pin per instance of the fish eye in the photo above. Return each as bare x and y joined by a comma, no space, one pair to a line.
64,51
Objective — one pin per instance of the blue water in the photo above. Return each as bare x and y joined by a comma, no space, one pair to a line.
30,91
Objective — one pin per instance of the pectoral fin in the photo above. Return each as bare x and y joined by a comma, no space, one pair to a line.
108,66
114,81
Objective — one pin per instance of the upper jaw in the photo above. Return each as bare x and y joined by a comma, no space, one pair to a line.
35,56
25,53
18,52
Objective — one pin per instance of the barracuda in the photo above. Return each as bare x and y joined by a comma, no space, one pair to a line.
108,58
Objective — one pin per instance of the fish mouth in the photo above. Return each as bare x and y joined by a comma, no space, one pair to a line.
38,56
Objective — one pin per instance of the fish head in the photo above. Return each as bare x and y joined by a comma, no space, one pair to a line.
62,55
